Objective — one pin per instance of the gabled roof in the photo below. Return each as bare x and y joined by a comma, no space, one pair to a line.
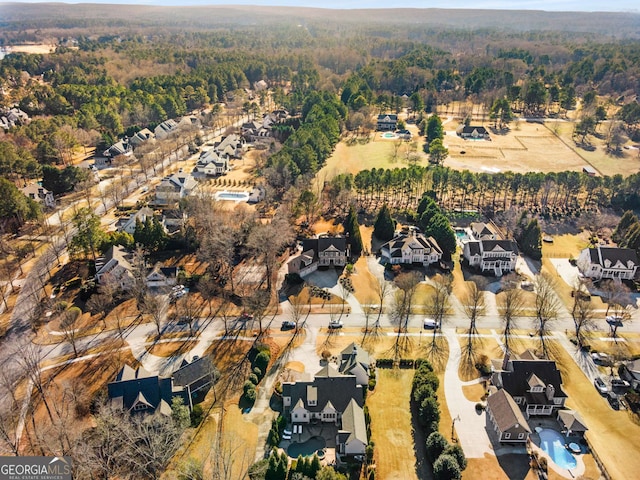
331,386
354,423
506,412
534,381
614,257
387,117
499,245
412,240
516,380
572,421
470,129
189,373
117,253
354,356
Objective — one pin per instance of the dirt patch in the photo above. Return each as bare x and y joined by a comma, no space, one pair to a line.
295,366
473,393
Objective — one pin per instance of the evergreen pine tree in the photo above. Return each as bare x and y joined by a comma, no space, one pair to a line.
384,226
352,228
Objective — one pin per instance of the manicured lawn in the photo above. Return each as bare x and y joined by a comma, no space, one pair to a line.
391,427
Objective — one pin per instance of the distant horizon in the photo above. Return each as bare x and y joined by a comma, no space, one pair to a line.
538,5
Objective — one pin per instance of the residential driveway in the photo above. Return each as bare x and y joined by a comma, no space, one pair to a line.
470,427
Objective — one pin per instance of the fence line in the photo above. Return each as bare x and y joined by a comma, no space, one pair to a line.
603,469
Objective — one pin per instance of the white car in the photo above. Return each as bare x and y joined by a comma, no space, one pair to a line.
333,324
429,324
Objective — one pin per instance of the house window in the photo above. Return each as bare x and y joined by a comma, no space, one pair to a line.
140,406
520,436
295,415
507,436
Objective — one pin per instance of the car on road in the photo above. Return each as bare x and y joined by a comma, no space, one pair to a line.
614,320
334,324
429,324
246,316
601,386
619,383
287,325
601,359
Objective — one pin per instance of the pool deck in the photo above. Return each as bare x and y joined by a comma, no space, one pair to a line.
552,424
327,431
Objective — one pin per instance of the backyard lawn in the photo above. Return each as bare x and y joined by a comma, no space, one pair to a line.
391,427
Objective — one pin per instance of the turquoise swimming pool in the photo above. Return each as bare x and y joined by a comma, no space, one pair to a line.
552,443
388,135
306,449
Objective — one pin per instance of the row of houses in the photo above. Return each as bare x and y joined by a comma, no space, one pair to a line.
260,130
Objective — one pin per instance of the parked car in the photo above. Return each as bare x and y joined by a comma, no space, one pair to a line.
286,432
286,437
602,359
619,383
429,324
600,385
287,325
613,401
614,320
246,316
333,324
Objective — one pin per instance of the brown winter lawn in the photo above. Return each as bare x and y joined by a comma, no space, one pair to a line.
391,428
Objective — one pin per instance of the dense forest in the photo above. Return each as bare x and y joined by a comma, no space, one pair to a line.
112,74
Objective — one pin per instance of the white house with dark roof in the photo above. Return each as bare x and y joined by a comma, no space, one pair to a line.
212,163
122,147
507,419
470,132
39,194
387,122
495,256
160,277
411,247
608,263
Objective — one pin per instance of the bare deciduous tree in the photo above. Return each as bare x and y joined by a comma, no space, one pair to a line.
547,305
71,330
511,305
583,314
474,306
156,307
439,302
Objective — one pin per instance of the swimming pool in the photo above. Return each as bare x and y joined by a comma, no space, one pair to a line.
388,135
234,196
461,234
552,443
306,449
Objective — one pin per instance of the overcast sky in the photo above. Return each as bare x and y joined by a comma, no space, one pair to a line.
551,5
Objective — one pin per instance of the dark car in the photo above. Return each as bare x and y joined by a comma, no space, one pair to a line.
614,320
287,325
619,383
613,401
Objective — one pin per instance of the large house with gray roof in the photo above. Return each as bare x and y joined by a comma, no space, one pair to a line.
355,360
535,384
608,263
322,251
494,256
332,399
140,391
411,247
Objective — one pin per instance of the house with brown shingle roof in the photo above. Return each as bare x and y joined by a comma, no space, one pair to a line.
507,419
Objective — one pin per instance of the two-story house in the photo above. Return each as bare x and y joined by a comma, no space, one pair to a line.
212,163
141,137
129,224
40,195
175,187
411,247
122,147
322,251
494,256
506,418
387,122
333,399
115,266
534,384
608,263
